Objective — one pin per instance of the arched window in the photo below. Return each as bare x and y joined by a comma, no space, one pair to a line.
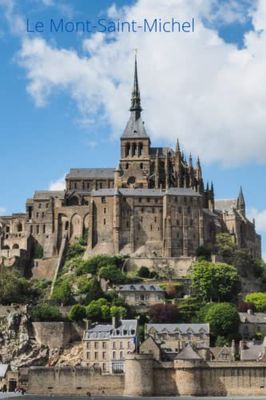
15,246
127,149
19,227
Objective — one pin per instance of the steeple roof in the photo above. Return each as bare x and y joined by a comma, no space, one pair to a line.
135,127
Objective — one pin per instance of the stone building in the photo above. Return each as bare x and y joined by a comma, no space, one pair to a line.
174,337
251,324
141,295
106,345
154,204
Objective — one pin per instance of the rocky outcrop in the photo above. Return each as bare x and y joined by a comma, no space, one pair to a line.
17,345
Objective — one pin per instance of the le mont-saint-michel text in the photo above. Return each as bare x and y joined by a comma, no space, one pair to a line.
103,25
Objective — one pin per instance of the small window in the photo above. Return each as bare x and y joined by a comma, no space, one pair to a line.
75,185
141,165
37,229
103,199
114,357
40,205
121,355
104,210
104,221
155,219
96,355
43,229
140,199
148,199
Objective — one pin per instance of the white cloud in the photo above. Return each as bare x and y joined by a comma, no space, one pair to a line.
260,218
195,86
58,184
2,210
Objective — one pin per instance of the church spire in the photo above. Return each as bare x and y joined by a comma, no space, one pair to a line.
135,98
241,205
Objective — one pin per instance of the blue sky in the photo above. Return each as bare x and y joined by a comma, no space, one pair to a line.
64,97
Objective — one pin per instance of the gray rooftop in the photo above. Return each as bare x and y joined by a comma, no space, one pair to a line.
175,328
135,129
162,151
126,328
47,194
145,192
187,353
225,205
140,288
3,370
256,318
91,173
253,352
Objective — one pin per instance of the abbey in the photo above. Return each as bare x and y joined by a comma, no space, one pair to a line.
154,204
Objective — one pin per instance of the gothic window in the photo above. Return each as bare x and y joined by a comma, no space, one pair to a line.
127,149
131,180
134,148
126,165
43,229
19,227
155,219
140,149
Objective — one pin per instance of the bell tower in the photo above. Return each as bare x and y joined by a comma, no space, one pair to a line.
135,145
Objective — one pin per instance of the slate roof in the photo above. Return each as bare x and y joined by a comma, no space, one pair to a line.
225,205
127,328
146,192
187,353
256,318
135,129
47,194
253,352
183,328
140,288
91,173
3,370
162,151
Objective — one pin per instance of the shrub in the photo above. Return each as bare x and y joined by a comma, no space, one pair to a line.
112,274
44,312
74,250
94,290
63,292
16,289
258,299
118,311
77,312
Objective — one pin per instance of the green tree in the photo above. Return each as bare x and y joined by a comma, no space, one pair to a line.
112,274
16,289
63,292
188,308
46,313
258,299
223,319
77,312
94,290
215,282
118,311
225,246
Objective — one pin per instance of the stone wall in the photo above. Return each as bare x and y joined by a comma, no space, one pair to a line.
179,266
55,334
73,381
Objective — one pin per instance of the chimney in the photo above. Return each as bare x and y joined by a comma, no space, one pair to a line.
233,350
115,322
87,324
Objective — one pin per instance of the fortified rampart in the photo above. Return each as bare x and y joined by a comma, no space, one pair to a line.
147,377
67,381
